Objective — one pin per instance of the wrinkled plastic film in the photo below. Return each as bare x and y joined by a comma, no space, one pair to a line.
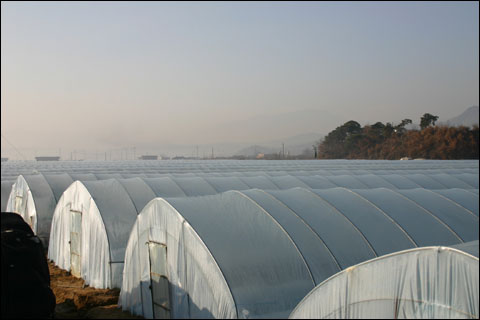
431,282
95,255
185,255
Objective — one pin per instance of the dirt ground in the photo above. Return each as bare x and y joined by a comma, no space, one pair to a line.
75,300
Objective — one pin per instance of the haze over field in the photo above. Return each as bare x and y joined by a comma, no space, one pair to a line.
183,78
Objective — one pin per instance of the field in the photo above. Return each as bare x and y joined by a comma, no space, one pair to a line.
77,301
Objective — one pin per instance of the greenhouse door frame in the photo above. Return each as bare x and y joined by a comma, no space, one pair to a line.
75,242
18,201
159,284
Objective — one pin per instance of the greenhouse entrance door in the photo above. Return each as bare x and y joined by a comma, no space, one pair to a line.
75,242
159,280
18,203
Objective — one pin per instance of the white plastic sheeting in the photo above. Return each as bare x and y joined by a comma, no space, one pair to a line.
420,283
34,197
21,201
94,242
106,221
468,247
263,249
45,189
201,284
183,246
118,201
11,169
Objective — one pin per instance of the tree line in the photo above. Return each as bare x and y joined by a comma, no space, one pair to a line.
392,142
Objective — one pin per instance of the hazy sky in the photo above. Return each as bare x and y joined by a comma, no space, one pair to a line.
106,75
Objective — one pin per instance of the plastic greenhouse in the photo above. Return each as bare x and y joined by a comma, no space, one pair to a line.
419,283
12,169
35,197
202,250
90,228
468,247
257,253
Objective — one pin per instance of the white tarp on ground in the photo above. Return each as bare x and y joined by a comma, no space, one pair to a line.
421,283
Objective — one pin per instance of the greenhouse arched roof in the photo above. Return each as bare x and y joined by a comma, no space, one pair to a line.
421,283
11,169
319,232
46,189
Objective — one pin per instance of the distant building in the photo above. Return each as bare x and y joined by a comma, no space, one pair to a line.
260,156
148,157
47,158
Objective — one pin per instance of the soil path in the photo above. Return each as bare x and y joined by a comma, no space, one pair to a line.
75,300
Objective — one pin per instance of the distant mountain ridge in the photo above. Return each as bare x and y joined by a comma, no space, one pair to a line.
468,118
294,145
252,151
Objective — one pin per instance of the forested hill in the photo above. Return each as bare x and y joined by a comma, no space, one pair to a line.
386,141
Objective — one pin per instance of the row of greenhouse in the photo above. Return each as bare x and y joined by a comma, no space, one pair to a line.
15,168
354,178
37,195
266,242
